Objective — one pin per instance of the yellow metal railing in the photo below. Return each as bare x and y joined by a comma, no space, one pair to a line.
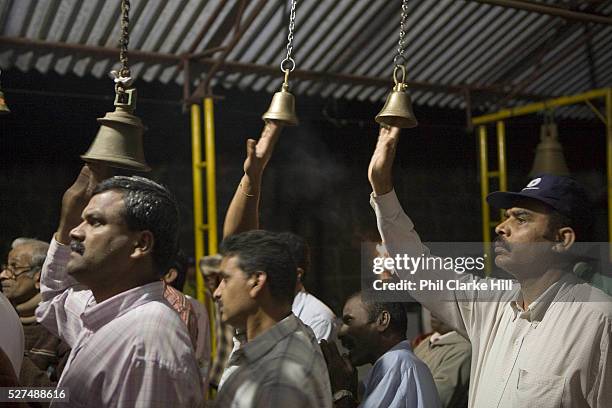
485,176
499,117
205,232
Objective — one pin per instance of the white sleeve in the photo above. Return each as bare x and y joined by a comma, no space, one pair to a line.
63,299
458,308
11,337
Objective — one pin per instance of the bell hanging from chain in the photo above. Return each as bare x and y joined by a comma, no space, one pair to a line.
4,109
549,156
397,111
282,108
119,140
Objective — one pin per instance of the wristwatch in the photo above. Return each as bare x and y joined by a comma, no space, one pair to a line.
338,395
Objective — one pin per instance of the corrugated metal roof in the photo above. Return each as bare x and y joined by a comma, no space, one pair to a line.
458,43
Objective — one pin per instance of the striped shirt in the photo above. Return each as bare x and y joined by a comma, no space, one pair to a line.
131,350
282,367
556,353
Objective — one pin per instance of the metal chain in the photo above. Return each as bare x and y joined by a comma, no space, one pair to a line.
400,58
290,40
125,38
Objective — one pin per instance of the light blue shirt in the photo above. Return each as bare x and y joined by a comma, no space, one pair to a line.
399,379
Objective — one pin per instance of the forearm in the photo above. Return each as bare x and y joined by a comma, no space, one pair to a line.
243,212
401,239
60,308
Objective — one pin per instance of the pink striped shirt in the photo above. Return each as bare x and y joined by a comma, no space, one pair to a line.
131,350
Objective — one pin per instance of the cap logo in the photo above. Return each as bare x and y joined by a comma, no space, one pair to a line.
533,183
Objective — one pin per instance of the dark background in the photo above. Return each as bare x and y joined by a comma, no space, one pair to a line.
316,184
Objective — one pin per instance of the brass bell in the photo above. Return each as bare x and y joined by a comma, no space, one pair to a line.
282,108
397,111
549,156
119,140
3,107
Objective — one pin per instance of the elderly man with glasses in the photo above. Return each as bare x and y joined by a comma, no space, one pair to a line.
44,354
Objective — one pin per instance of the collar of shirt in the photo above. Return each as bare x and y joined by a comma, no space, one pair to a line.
537,309
97,315
258,347
404,344
438,339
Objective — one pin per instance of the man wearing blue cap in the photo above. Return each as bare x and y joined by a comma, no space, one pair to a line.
543,343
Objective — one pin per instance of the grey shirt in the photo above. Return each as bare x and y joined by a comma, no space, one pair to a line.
282,367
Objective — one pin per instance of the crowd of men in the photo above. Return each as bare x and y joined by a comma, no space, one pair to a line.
99,311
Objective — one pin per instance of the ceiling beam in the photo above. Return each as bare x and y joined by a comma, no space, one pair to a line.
25,44
550,10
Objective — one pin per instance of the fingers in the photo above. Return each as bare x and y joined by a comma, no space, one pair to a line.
393,132
271,128
389,132
100,171
81,184
250,146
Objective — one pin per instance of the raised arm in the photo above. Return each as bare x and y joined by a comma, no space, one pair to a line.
243,212
400,238
63,299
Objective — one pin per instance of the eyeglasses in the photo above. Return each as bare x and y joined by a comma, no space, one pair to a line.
13,270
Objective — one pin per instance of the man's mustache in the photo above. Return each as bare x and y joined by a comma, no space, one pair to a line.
499,242
77,247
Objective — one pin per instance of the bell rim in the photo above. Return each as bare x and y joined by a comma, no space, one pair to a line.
124,120
380,119
284,122
111,161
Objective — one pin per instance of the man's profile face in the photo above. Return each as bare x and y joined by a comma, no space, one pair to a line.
233,294
524,238
18,282
102,243
357,334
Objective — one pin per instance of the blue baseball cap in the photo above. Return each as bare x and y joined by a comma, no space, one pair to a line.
562,193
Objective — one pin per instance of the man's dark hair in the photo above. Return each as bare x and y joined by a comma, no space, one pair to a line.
299,249
180,264
260,250
582,228
149,206
398,319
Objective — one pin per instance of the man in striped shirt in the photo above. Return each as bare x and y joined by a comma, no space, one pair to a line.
277,361
102,294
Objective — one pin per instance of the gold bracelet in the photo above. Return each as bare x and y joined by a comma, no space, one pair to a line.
243,192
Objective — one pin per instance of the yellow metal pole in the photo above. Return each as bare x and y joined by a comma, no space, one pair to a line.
484,190
211,206
198,213
609,163
211,188
539,106
501,159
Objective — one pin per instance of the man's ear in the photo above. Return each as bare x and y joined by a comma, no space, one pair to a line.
37,279
257,282
143,244
383,320
170,276
565,239
300,274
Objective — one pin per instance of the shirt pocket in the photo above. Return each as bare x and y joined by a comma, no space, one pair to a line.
539,390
